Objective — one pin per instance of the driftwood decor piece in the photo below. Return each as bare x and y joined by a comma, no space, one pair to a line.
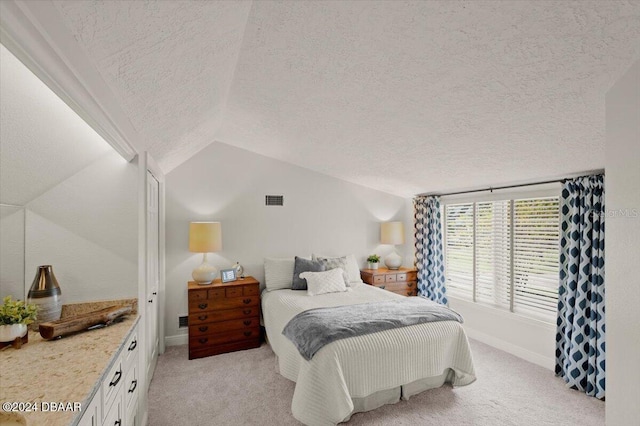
50,330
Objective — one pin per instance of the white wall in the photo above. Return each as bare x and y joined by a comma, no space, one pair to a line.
321,214
622,242
526,338
86,227
12,251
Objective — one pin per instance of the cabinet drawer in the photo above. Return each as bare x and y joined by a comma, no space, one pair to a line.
378,279
390,278
111,386
131,387
92,414
236,302
196,295
199,342
220,327
130,351
233,292
223,348
226,303
114,415
250,290
216,316
216,293
401,277
201,306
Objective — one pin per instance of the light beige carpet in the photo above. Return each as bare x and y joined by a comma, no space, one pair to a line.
243,388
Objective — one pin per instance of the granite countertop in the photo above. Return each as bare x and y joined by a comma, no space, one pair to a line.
64,370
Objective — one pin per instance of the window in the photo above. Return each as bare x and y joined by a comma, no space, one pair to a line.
505,254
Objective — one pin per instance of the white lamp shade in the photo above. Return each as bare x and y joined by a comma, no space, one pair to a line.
205,237
392,233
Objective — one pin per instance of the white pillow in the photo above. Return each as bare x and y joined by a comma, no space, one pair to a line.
324,282
353,271
278,273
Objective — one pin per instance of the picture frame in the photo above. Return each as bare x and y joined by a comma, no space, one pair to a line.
228,275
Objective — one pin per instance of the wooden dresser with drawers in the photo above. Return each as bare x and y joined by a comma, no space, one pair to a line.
401,281
223,317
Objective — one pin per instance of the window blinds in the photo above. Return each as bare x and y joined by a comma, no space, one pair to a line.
535,260
459,248
504,253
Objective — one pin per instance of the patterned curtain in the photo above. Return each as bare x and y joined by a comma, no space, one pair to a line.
580,338
429,260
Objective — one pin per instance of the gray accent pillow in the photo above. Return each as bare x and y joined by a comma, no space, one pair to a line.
304,265
336,262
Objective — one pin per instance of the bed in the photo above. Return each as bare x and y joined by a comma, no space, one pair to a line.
365,372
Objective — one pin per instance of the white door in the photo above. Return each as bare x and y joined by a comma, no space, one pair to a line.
153,273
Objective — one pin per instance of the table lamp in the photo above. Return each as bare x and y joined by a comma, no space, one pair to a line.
392,233
205,237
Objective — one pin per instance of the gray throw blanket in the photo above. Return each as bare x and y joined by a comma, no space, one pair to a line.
311,330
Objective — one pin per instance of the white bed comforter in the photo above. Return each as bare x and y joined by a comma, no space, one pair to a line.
360,366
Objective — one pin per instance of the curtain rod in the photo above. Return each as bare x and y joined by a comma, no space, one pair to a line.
563,180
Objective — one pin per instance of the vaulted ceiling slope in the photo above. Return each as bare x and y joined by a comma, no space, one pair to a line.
405,97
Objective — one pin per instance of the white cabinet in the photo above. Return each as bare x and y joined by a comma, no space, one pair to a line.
93,413
153,272
116,402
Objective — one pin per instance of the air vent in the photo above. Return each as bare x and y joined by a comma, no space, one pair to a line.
274,200
183,321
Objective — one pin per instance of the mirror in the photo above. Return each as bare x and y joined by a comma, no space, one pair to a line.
67,199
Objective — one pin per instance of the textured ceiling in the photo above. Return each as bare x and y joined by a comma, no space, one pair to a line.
405,97
31,113
170,63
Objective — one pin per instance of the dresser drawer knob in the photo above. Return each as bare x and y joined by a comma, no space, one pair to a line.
203,328
203,340
116,378
203,317
203,306
246,301
246,311
247,322
247,333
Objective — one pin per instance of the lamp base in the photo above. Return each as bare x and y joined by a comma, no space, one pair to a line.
393,260
205,273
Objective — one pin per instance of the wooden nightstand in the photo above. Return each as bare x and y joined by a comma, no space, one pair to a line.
401,281
223,317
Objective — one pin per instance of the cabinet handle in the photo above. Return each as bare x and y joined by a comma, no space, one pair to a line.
246,311
203,340
150,300
132,388
118,422
155,293
116,378
247,322
247,333
203,328
203,317
133,345
203,306
246,301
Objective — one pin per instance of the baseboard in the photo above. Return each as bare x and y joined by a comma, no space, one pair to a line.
177,340
520,352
